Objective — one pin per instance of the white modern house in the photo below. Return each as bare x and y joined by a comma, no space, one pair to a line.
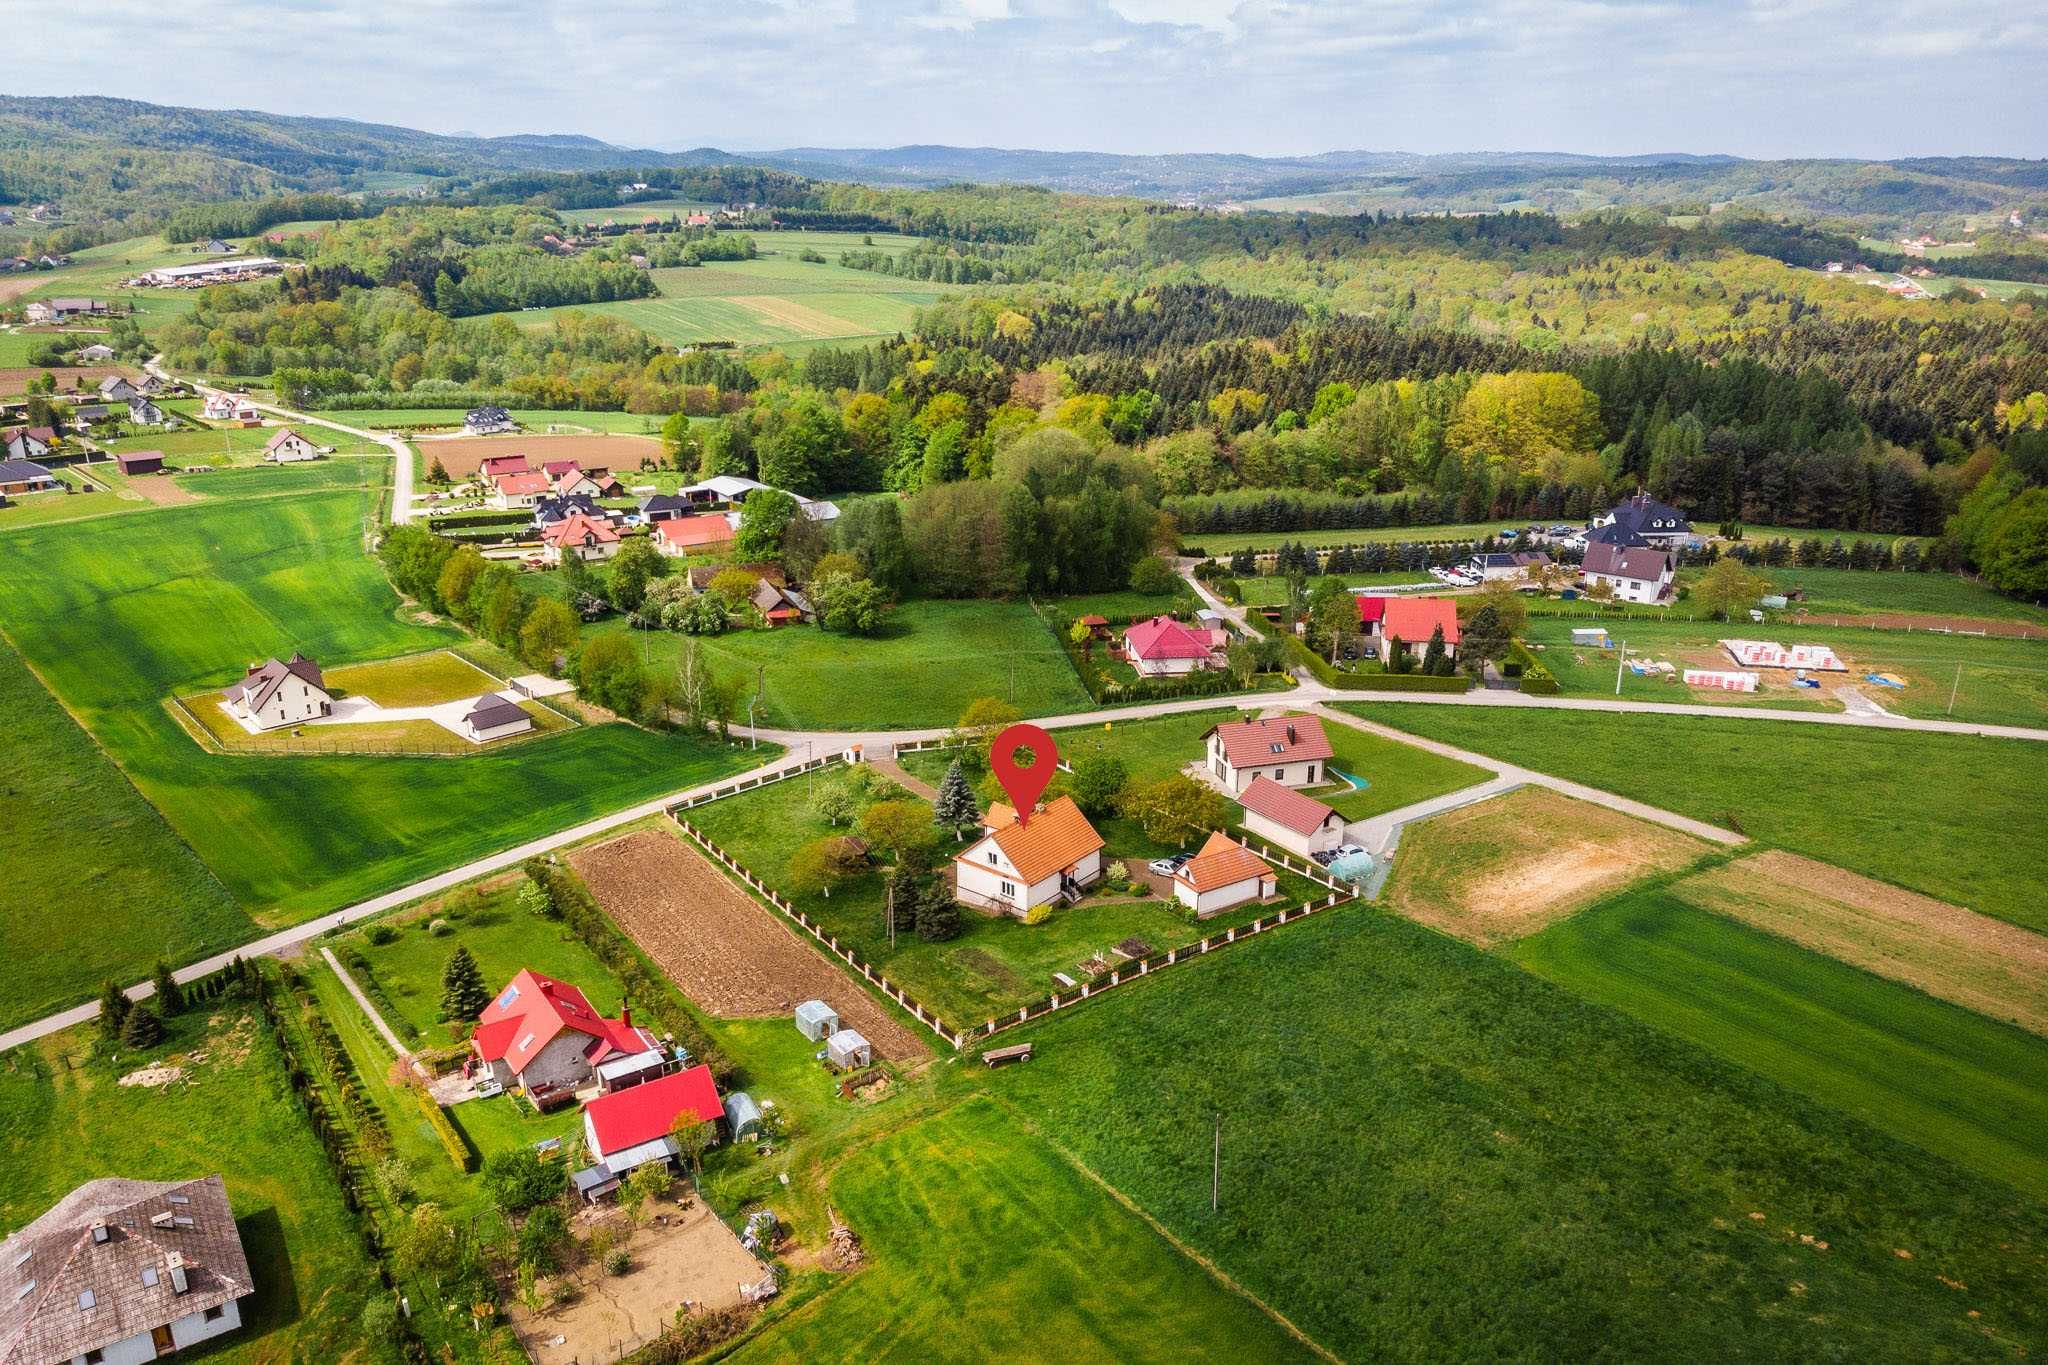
1017,865
1287,819
279,693
288,447
120,1272
1222,876
1634,575
1290,750
494,717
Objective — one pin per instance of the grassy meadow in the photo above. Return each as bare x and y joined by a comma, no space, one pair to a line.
1955,817
1423,1144
64,1120
1933,1074
121,613
986,1244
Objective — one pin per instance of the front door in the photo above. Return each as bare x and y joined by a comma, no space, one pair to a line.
160,1337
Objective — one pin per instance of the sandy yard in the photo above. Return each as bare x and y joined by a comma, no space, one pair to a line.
1502,869
694,1258
460,455
162,491
727,951
1949,952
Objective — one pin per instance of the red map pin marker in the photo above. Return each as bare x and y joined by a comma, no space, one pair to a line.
1023,785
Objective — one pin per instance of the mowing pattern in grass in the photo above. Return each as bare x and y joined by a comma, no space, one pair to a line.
122,612
1956,1083
80,835
230,1112
1428,1149
928,662
1959,818
1397,774
985,1245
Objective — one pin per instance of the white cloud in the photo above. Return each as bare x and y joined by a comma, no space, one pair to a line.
1762,77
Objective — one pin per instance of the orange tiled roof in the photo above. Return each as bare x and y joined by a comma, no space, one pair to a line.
1282,739
1057,837
1221,862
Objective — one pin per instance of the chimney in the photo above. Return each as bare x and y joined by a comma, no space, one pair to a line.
179,1284
99,1230
1290,735
626,1013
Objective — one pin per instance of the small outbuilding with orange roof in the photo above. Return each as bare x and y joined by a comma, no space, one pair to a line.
1020,864
1222,876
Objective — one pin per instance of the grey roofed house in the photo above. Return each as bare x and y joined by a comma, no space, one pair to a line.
491,710
550,508
1637,562
117,389
26,471
118,1259
665,506
488,418
1617,535
144,413
1644,516
263,679
91,412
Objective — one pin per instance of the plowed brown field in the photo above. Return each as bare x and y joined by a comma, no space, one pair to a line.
727,951
461,455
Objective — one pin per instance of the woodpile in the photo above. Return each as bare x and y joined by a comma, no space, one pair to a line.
842,1248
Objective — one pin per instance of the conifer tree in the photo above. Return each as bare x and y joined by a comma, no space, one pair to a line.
169,998
955,804
463,995
114,1007
142,1028
938,914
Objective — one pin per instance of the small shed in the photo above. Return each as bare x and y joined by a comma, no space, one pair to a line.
816,1020
846,1050
742,1115
594,1182
1774,601
141,462
1592,637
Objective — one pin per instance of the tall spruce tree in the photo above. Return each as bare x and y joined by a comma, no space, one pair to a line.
463,995
169,998
114,1007
142,1028
955,804
938,914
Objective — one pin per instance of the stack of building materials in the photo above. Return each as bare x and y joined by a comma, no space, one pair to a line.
1725,680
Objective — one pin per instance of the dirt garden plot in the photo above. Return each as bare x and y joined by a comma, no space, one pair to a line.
1502,869
1958,955
727,951
1956,625
461,455
685,1256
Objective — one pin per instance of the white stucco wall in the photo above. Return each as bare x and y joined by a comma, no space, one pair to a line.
1327,835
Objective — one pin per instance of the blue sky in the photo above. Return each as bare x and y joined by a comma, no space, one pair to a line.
1751,77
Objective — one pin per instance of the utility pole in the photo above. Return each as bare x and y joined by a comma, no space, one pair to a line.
1216,1168
1618,666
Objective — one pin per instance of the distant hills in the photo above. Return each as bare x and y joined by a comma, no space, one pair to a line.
112,157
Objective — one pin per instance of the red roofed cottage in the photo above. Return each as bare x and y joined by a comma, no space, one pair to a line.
631,1128
1286,819
1412,620
1291,750
1163,645
543,1032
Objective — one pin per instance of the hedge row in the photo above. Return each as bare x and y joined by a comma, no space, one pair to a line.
1399,682
451,1141
1537,680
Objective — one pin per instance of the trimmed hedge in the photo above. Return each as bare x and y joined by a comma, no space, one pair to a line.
451,1141
1401,682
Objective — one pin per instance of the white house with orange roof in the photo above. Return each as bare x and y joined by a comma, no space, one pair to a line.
1018,865
1290,750
1221,876
543,1032
588,538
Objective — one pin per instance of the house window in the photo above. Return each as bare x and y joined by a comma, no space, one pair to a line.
94,1357
1010,889
991,857
526,1042
149,1276
213,1314
1280,776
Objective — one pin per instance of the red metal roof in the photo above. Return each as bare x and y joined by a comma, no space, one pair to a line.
522,481
1371,609
1415,619
643,1113
517,1026
706,530
1284,806
1162,637
1280,739
502,464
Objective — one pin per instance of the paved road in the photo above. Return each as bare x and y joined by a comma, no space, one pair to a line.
401,453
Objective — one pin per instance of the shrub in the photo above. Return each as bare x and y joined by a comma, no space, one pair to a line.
519,1180
381,934
440,928
1038,914
451,1141
618,1262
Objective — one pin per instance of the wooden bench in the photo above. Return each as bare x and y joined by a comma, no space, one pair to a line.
1021,1052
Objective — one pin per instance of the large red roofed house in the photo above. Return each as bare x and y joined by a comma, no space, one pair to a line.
1291,750
518,488
540,1032
583,536
1017,865
631,1128
1412,620
1163,646
678,536
495,465
1286,818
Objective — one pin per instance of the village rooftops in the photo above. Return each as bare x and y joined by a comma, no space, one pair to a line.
518,1025
1162,637
1055,839
1278,739
1644,565
1284,806
1415,619
113,1260
690,532
645,1113
495,465
1222,861
578,528
265,678
520,482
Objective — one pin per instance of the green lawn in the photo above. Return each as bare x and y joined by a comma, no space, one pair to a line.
120,613
221,446
1960,1085
985,1245
1269,591
64,1120
1427,1149
1120,608
1956,817
81,834
926,664
1846,592
1397,774
533,419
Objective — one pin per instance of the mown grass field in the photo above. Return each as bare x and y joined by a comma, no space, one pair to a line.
1396,774
987,1245
121,613
1852,592
226,446
83,836
928,661
1424,1145
536,420
1934,1074
1955,817
65,1120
